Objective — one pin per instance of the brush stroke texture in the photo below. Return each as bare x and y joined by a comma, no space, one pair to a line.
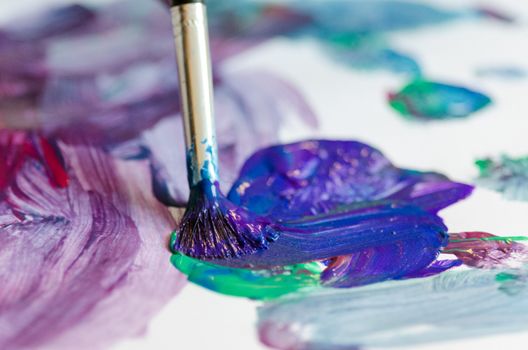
507,175
249,107
452,305
92,83
343,202
76,260
484,250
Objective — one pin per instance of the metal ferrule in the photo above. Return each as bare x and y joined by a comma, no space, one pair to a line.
196,89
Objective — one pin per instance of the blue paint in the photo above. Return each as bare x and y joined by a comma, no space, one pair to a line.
323,200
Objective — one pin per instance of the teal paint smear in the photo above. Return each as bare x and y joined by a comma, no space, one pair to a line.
432,101
253,284
506,175
453,305
369,52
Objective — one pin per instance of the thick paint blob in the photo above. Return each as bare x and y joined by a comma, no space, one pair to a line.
316,177
428,101
344,204
452,305
506,175
83,264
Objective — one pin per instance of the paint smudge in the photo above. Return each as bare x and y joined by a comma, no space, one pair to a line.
495,14
502,72
373,16
506,175
449,306
253,284
18,147
76,258
343,202
112,98
53,22
368,52
331,22
484,250
249,105
430,101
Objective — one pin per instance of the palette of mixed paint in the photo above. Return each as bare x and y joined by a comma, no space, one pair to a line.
356,251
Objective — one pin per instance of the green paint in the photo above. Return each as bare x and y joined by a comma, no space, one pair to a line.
347,40
505,277
485,166
428,100
253,284
506,175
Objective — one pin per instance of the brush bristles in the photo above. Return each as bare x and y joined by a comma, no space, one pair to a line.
214,228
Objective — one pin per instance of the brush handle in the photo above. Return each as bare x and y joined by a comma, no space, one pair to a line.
196,88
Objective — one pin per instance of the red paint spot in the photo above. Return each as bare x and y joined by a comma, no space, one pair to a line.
17,147
53,162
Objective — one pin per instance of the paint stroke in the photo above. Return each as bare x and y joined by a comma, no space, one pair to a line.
252,284
505,72
250,108
369,52
123,99
507,175
425,100
84,265
344,204
17,147
245,24
484,250
446,307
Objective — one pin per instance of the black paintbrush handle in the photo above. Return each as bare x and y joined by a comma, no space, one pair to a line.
183,2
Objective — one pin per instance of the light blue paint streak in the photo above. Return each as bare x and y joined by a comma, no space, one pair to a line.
453,305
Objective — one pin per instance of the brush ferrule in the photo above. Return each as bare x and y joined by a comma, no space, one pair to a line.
196,89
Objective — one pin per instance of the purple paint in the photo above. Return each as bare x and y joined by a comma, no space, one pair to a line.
484,250
344,201
80,262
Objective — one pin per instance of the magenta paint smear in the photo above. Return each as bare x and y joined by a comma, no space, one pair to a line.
83,265
484,250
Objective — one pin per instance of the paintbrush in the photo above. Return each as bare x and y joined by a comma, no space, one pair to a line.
212,226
